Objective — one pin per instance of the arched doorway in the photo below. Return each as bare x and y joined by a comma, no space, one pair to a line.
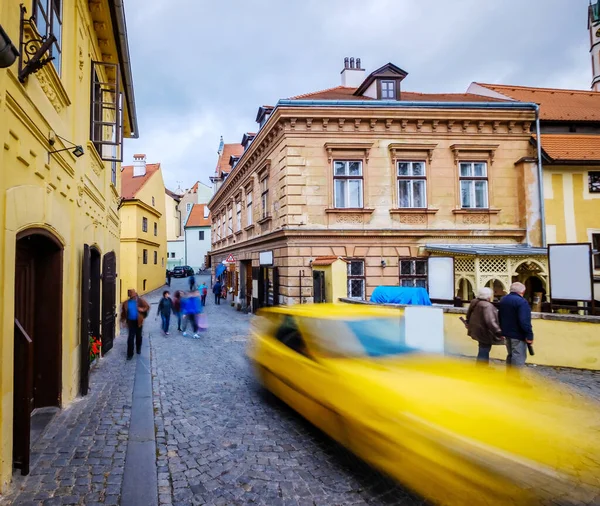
465,290
38,333
497,287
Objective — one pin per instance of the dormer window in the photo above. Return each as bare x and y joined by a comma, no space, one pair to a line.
388,90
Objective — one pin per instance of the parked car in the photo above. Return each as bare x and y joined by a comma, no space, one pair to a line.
182,271
453,432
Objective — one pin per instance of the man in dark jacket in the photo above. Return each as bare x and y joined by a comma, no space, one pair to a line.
515,322
217,287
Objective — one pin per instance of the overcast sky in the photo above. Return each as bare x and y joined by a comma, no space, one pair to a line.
202,67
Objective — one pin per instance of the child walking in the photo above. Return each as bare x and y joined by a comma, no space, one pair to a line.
177,308
165,307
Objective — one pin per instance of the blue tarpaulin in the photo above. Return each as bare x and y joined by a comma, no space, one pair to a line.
400,295
220,270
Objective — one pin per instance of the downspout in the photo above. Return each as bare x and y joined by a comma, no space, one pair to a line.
540,174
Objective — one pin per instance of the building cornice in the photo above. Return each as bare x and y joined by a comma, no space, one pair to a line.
143,205
140,241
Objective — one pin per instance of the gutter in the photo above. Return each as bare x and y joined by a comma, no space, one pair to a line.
117,14
540,173
399,104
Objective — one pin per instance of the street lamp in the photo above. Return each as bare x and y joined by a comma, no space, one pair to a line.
8,51
75,149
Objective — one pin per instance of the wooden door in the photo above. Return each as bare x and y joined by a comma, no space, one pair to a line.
84,345
318,286
249,284
23,356
109,280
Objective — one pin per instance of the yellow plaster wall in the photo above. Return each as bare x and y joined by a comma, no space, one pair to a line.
339,280
557,343
72,198
172,218
577,207
134,240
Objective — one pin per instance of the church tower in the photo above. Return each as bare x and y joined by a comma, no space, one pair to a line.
594,28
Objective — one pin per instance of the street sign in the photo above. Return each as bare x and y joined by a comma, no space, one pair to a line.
230,259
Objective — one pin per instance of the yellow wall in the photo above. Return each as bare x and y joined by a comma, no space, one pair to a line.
134,240
172,218
71,198
557,343
572,213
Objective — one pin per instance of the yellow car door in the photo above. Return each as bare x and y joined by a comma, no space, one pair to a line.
291,372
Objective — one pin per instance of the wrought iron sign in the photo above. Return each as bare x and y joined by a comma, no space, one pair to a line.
34,47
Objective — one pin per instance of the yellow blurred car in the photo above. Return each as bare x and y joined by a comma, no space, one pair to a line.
454,432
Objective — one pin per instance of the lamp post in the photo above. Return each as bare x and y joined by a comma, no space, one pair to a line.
8,51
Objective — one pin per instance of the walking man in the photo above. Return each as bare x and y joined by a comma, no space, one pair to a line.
133,312
169,277
217,291
515,322
482,322
192,282
165,306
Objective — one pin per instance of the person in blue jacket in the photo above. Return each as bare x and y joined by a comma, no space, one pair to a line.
193,308
515,321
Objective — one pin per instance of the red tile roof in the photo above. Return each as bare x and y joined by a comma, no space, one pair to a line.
345,93
229,150
131,185
555,104
196,217
575,147
326,260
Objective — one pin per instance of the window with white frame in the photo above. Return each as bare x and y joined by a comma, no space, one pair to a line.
413,272
218,228
356,279
347,184
412,185
264,197
249,208
238,216
473,185
230,221
388,90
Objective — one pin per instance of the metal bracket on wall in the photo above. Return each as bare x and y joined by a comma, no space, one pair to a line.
33,47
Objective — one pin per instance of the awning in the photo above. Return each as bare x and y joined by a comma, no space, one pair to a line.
220,269
486,249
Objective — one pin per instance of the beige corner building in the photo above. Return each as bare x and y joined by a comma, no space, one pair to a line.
382,178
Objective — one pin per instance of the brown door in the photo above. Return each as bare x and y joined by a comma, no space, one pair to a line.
109,279
249,284
84,328
37,335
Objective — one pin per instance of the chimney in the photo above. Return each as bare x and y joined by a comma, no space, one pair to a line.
352,75
139,165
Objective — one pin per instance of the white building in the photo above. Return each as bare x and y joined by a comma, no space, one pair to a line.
175,239
197,236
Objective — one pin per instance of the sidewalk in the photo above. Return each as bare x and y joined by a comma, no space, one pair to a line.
80,457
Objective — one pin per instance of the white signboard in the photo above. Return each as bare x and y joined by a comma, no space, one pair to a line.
440,274
266,257
570,272
424,328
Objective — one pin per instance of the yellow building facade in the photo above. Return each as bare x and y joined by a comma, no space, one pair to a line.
60,132
143,228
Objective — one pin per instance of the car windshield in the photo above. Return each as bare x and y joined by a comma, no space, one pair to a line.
374,337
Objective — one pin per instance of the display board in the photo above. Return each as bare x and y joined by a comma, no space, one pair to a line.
265,258
424,328
440,278
571,274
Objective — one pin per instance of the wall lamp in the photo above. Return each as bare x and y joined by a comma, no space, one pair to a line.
8,51
75,149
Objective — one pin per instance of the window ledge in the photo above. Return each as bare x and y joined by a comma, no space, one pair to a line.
476,211
413,210
349,210
264,220
249,227
238,232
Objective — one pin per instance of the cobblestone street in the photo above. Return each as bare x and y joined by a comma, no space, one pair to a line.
219,439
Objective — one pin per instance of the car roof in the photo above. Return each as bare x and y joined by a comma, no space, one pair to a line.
334,311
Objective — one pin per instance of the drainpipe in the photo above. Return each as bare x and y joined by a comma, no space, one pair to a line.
540,174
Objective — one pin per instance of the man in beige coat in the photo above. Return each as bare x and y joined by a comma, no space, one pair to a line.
483,324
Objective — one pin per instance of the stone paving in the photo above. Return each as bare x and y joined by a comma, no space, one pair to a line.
79,458
220,439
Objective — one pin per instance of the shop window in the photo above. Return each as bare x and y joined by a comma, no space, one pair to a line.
356,279
413,272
